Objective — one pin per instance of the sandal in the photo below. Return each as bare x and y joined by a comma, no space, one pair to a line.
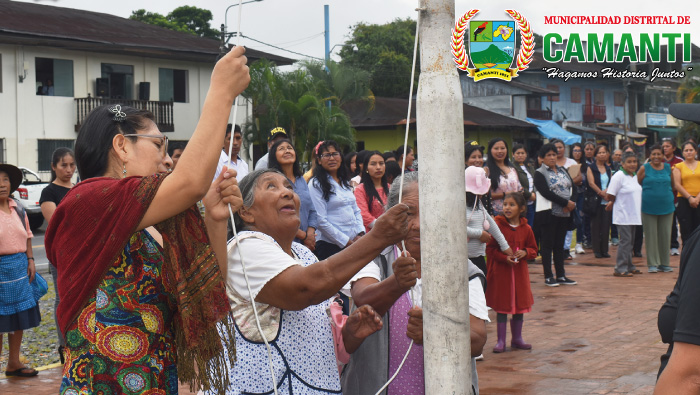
636,271
625,274
21,372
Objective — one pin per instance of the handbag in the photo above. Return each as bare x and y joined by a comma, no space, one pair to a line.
591,203
39,286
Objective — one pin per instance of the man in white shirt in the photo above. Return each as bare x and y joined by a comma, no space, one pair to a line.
238,164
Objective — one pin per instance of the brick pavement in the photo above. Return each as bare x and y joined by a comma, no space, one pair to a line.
598,337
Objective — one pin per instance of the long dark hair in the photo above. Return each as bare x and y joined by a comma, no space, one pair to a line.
470,201
495,172
348,160
58,154
571,152
272,162
367,181
321,175
94,141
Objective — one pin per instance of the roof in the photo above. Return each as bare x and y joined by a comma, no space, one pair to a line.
391,112
551,130
628,133
68,28
583,129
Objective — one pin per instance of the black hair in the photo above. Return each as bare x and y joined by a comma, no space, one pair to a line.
571,152
470,201
692,144
518,146
495,172
392,170
469,150
360,161
321,175
545,149
175,145
598,148
58,154
348,160
272,162
389,154
656,146
367,181
94,142
670,140
519,200
236,129
399,153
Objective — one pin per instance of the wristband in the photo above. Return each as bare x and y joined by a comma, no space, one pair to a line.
30,258
306,235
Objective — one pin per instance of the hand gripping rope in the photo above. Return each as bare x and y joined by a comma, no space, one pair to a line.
235,233
403,171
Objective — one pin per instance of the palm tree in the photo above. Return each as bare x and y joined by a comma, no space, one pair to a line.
689,92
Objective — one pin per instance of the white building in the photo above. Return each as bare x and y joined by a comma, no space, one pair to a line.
56,64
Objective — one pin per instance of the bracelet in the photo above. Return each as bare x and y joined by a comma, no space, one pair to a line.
306,236
30,258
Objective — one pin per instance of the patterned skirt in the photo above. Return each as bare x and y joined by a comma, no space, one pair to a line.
18,308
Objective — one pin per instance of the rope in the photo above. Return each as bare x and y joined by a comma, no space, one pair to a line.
235,233
403,172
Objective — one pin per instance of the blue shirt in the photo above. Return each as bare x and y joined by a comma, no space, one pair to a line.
657,196
307,211
339,218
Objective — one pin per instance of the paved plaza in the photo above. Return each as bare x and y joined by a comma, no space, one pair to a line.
598,337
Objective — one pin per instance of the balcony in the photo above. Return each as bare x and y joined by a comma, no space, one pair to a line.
539,114
162,110
593,113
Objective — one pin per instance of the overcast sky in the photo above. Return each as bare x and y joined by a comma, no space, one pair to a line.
298,24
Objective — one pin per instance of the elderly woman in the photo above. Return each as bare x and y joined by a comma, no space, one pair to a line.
555,202
18,308
141,289
291,290
384,284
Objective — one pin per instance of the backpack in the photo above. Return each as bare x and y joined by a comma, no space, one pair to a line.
19,208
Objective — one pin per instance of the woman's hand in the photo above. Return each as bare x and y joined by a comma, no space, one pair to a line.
361,323
310,241
231,75
414,329
485,237
405,272
570,206
508,251
392,226
609,206
693,201
223,191
31,270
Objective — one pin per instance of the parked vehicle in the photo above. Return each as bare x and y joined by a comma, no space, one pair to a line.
28,195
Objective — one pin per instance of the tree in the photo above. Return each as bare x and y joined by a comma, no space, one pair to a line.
186,19
689,92
385,52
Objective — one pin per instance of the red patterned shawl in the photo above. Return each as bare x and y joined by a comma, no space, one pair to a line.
88,231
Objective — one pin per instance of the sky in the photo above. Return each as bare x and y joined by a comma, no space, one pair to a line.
298,25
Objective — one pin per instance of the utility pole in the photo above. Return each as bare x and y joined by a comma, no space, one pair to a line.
447,351
327,34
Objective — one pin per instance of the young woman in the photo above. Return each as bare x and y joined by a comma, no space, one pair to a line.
474,156
563,161
409,157
625,197
504,178
284,158
339,218
62,171
598,176
657,209
373,188
687,181
508,279
525,174
576,154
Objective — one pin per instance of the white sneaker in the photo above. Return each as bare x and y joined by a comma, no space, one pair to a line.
480,357
579,249
674,252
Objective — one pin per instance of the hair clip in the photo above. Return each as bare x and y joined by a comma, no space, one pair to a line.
318,146
119,115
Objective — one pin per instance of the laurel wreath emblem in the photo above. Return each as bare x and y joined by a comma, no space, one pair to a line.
527,47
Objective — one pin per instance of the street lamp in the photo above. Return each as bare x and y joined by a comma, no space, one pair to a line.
234,5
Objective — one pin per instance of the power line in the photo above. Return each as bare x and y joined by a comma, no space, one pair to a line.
303,39
280,48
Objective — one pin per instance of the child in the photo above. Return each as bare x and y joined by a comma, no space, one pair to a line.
508,280
480,225
625,201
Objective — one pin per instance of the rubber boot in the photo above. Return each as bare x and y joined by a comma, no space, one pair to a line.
516,332
501,342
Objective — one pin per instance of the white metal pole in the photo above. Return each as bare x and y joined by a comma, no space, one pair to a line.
443,220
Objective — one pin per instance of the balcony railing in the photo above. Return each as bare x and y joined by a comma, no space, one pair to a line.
539,114
162,110
593,113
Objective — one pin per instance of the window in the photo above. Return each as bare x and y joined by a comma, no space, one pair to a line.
172,85
121,80
46,149
2,150
619,99
553,88
576,95
54,77
598,97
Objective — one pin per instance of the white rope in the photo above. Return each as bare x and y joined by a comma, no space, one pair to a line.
403,171
233,224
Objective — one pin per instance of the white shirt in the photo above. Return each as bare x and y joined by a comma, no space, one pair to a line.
239,165
569,162
627,209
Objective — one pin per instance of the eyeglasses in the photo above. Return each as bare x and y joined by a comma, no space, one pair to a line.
329,155
285,148
577,150
163,141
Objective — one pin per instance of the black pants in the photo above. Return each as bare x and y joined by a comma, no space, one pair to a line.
553,235
600,230
638,239
688,218
674,232
324,250
480,262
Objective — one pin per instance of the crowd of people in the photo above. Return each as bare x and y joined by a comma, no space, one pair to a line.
320,289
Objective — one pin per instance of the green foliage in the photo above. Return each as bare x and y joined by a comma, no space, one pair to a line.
298,101
187,19
385,52
689,92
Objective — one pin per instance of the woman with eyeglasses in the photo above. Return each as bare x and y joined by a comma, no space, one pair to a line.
339,217
142,293
284,159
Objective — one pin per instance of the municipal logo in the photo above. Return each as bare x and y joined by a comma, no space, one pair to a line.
492,46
